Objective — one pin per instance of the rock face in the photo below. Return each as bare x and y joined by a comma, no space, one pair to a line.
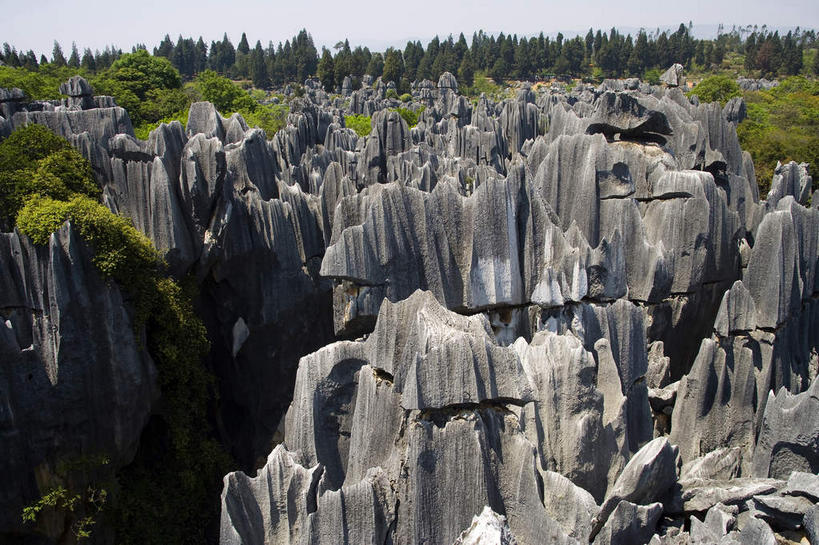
70,362
556,318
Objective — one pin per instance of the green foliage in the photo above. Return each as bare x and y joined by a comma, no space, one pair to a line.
271,117
81,509
361,124
226,96
43,84
652,76
35,161
716,88
483,84
410,116
782,125
406,97
392,93
142,131
177,453
148,87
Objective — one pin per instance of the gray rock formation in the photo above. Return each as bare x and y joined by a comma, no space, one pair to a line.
673,77
789,437
76,384
602,288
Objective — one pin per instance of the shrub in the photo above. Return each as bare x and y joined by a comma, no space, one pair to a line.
148,87
716,88
44,84
143,511
272,118
226,96
361,124
652,76
406,97
782,125
35,161
392,93
411,117
143,131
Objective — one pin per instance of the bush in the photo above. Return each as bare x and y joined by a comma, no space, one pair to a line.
652,76
143,131
35,161
410,116
148,87
782,125
272,118
143,510
44,84
226,96
361,124
716,88
392,93
406,97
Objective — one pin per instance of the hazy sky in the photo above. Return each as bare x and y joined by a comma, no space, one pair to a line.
373,23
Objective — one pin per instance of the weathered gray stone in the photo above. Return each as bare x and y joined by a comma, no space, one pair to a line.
721,464
737,312
569,505
629,524
811,524
757,532
645,479
701,495
783,512
803,484
704,420
488,528
673,77
75,381
789,435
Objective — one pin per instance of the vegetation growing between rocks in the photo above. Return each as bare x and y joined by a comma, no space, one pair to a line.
716,88
181,456
410,116
782,125
361,124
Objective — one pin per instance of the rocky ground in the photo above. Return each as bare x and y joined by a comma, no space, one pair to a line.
566,317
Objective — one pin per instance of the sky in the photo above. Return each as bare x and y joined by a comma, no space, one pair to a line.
376,24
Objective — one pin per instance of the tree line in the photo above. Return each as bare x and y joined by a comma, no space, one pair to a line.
598,54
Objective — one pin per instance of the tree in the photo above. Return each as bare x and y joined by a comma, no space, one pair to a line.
88,61
716,88
393,66
326,70
466,72
375,67
499,70
165,48
226,96
816,62
258,68
305,56
148,87
57,56
74,59
244,46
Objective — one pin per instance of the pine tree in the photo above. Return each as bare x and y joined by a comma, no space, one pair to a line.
375,67
393,66
466,72
74,59
326,70
57,56
258,69
244,46
88,61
